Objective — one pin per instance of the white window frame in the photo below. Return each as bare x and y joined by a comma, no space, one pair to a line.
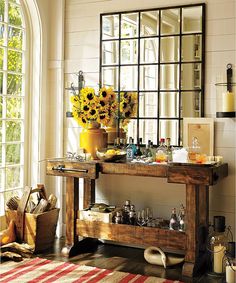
35,90
6,71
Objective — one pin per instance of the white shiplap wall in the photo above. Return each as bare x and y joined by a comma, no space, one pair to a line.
82,53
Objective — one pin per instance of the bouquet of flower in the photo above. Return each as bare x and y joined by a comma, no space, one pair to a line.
128,106
88,106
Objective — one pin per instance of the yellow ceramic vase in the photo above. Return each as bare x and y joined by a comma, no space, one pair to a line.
112,134
93,138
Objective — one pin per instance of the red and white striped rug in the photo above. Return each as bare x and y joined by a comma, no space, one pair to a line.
44,270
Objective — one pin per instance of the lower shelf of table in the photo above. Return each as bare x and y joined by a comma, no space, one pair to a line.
135,235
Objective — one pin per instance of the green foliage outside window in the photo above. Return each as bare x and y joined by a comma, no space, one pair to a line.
12,100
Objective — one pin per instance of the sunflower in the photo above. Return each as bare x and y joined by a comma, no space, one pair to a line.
103,103
125,95
79,117
113,96
82,121
101,107
134,97
85,107
75,100
92,114
113,107
134,110
106,94
75,113
104,118
124,106
87,93
128,113
124,122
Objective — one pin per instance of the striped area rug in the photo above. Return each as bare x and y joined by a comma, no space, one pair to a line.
44,270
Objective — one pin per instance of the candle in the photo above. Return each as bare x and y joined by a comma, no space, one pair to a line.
230,274
219,252
219,159
228,102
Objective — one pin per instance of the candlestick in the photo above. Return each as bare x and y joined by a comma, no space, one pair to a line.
219,252
219,159
228,102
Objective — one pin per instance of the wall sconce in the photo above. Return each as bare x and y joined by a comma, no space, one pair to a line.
75,90
218,245
226,96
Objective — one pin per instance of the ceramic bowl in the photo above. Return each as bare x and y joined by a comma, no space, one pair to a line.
111,155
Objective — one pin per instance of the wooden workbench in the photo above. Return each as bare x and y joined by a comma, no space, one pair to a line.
191,242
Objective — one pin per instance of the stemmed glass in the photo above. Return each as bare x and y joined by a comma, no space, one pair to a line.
144,217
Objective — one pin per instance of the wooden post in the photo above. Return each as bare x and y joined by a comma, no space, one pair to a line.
204,206
72,206
197,204
191,228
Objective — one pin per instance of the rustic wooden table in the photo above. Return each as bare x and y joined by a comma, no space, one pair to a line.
191,242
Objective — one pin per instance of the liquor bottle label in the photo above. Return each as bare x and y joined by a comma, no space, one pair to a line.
129,154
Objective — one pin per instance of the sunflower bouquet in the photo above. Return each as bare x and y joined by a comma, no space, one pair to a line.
128,107
89,106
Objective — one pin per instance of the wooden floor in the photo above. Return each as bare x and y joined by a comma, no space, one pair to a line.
123,259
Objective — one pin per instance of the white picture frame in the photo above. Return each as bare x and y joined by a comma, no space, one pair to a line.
203,129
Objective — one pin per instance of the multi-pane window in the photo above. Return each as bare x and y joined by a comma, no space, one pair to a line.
159,54
12,99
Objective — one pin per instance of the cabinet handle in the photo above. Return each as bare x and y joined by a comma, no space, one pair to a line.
61,168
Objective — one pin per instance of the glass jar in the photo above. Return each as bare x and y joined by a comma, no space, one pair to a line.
218,244
193,150
231,271
230,263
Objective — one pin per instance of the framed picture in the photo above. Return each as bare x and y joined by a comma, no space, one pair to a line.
203,130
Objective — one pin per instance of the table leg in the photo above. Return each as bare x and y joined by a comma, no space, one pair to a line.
197,206
73,245
72,206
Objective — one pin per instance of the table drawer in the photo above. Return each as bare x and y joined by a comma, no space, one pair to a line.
73,169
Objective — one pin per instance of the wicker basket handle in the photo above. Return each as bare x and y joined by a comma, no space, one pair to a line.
21,214
22,206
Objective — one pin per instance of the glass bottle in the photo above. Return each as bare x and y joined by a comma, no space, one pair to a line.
126,208
129,151
153,151
134,147
168,150
148,152
173,220
181,218
141,145
123,143
161,152
194,150
138,150
132,215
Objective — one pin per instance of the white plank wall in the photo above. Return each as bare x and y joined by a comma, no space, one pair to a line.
82,53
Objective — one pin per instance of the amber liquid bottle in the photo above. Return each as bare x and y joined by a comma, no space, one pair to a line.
193,150
161,152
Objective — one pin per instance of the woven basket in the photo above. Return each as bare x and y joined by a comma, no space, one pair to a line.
37,230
